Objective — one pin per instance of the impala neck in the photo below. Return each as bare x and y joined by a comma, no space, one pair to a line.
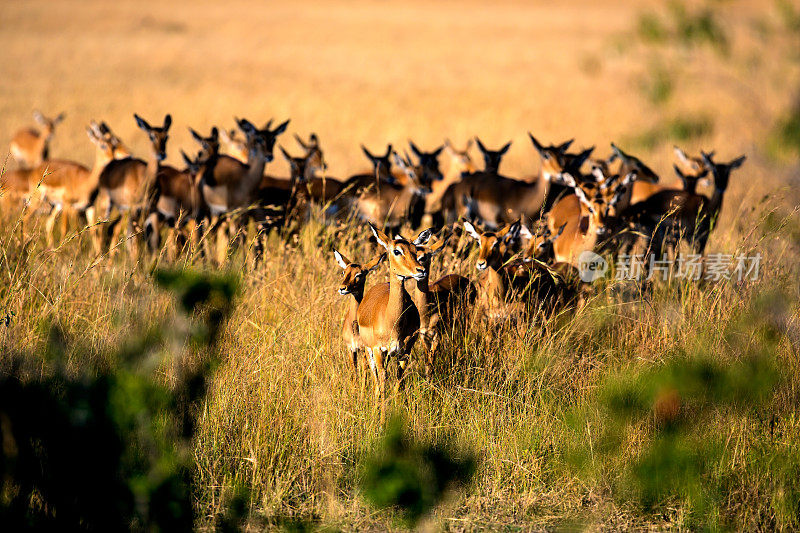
493,285
255,172
421,299
715,203
397,296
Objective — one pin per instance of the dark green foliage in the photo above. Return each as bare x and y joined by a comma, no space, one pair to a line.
412,476
676,460
106,450
684,27
679,129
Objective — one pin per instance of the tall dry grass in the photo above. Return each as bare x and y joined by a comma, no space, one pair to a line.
286,417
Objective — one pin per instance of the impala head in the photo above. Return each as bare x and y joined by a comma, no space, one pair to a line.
492,158
721,171
403,255
381,165
428,164
602,204
261,142
411,173
48,124
540,246
631,164
209,144
315,165
459,159
355,275
553,157
495,246
297,165
690,170
158,135
108,144
193,165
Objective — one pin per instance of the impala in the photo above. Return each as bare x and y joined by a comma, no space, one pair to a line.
668,216
355,276
30,147
495,250
389,205
589,215
234,146
388,320
228,184
460,163
498,200
435,301
68,185
690,172
130,184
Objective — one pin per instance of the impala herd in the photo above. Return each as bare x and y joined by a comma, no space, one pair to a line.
531,232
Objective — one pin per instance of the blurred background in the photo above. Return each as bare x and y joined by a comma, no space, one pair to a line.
644,74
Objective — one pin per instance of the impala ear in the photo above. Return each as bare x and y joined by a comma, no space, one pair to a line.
59,119
448,146
536,144
39,117
423,237
512,231
414,148
300,141
142,123
367,153
438,247
505,148
280,129
583,199
214,133
736,163
167,122
197,137
380,236
186,159
707,159
437,152
563,147
481,147
525,232
286,155
340,259
469,145
472,231
375,262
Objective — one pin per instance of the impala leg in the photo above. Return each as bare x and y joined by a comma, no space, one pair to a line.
381,360
51,221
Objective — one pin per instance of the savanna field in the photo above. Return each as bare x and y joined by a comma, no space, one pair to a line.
220,380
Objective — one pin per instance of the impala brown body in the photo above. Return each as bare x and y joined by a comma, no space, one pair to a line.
388,320
436,301
228,184
29,146
355,276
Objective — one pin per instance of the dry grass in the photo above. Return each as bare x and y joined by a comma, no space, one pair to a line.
285,416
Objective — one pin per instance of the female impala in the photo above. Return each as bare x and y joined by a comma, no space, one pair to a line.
436,301
690,172
668,216
460,163
355,276
388,320
30,147
588,215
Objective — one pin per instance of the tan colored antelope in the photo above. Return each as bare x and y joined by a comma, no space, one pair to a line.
228,184
389,205
668,216
69,186
436,302
690,170
30,147
388,320
492,286
499,200
355,276
460,163
130,184
589,215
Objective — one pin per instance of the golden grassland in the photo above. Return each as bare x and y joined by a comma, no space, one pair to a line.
286,416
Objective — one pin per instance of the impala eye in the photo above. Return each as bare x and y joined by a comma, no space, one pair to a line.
397,252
